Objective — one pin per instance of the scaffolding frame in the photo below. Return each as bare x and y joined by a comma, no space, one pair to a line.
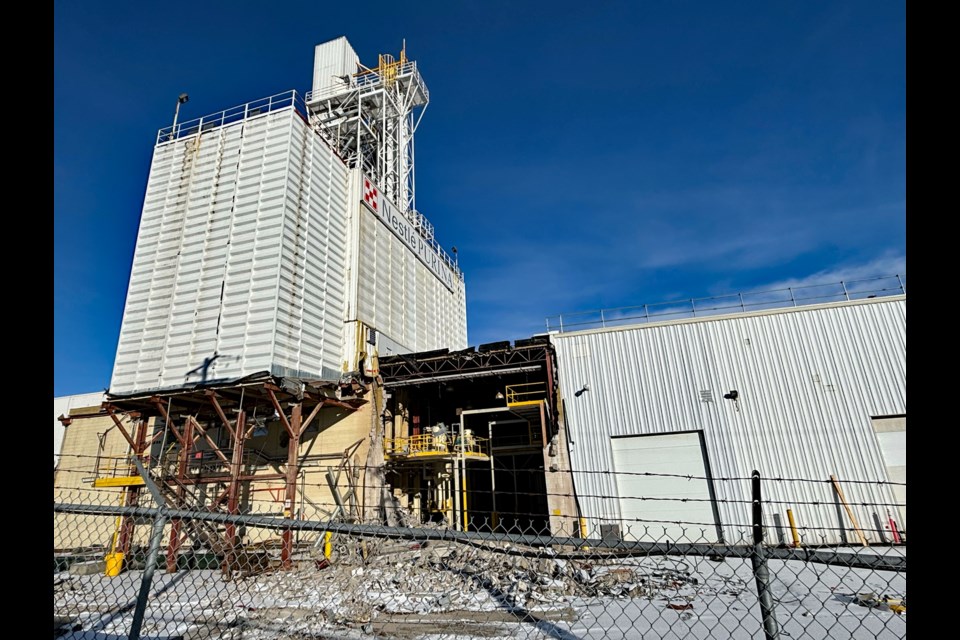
189,413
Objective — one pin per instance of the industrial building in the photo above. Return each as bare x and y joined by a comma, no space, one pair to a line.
279,252
804,392
294,343
282,236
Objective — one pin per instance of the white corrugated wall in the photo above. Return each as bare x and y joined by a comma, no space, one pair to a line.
809,382
400,297
311,303
331,60
242,229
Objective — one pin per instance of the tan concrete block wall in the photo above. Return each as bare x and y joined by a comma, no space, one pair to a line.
561,503
73,481
338,431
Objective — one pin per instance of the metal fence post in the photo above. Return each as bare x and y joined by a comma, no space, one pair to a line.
146,581
771,631
156,535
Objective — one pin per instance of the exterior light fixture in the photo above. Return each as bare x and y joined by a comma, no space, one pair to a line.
499,395
585,388
176,114
734,395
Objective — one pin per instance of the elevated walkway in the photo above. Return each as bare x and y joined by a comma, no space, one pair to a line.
432,446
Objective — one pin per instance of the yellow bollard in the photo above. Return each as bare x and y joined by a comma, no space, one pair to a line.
114,562
793,528
327,547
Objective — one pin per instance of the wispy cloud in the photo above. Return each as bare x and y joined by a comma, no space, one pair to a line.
885,266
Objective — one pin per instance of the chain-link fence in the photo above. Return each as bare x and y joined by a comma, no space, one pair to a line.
141,562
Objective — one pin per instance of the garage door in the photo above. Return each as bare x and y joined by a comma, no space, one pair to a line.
892,438
673,453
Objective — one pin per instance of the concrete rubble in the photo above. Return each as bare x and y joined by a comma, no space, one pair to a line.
369,583
449,577
408,590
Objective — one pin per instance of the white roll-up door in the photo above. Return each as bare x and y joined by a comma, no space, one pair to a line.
892,437
675,454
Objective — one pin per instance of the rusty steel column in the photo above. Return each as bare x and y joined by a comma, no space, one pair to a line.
293,469
132,493
233,490
183,458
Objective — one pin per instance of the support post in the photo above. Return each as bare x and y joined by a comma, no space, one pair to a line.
233,491
457,506
183,459
293,469
493,480
761,573
132,493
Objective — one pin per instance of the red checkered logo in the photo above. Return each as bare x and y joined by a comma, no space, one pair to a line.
370,195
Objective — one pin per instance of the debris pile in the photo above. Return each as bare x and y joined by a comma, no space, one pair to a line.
545,578
405,578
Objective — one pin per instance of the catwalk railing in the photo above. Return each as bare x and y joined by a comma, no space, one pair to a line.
513,577
234,114
734,303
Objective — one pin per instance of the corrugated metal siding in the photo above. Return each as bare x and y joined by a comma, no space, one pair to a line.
229,240
311,303
400,297
330,59
809,381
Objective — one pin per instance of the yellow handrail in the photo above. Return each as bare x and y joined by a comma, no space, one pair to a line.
530,392
431,444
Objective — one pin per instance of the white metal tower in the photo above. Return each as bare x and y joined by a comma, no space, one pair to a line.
369,116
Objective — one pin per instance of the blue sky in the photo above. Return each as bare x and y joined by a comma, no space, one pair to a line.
579,155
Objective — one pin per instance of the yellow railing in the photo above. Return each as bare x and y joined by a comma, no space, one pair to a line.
115,471
389,68
435,445
528,393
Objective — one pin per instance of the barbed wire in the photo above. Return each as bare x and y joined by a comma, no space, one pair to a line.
527,515
606,472
473,492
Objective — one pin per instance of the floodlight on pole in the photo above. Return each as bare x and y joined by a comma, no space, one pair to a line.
176,113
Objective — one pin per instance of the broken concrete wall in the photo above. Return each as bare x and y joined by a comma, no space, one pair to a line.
561,499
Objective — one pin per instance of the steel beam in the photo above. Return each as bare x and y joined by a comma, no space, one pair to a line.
223,417
183,459
121,428
213,445
233,491
166,419
293,469
279,410
132,493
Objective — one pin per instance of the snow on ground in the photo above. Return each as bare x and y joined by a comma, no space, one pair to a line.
459,593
